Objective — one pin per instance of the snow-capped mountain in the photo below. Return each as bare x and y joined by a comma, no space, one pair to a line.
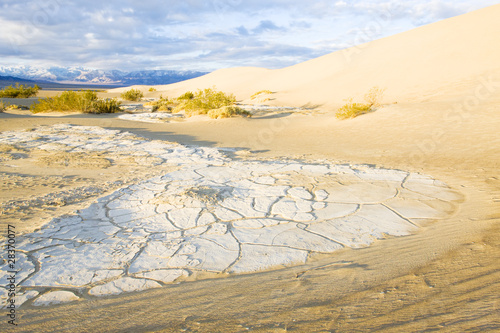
95,76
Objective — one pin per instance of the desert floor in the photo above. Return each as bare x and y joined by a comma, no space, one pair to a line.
444,277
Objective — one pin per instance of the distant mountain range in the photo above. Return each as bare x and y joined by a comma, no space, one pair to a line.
13,79
81,75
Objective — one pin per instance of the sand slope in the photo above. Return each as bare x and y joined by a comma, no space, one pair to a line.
409,65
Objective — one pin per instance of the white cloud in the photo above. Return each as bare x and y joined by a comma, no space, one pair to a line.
341,4
206,34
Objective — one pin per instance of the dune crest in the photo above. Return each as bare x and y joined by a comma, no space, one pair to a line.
411,65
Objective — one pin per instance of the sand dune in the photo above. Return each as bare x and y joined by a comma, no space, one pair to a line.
411,65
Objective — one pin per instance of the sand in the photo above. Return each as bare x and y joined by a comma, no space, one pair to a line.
444,276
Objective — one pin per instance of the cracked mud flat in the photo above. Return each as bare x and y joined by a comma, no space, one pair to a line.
150,117
211,215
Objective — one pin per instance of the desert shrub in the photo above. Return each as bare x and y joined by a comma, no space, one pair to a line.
66,101
162,105
352,109
186,96
152,89
262,92
19,91
374,96
132,95
3,106
205,100
110,105
227,111
16,107
84,101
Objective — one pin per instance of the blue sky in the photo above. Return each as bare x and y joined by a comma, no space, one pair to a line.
202,35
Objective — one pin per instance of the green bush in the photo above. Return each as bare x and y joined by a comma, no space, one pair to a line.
352,109
204,101
84,101
152,89
227,111
132,95
19,91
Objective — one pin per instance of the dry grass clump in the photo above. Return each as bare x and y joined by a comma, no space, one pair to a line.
132,95
227,112
84,101
260,93
352,109
19,91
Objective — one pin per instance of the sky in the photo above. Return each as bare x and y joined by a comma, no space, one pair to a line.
202,35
